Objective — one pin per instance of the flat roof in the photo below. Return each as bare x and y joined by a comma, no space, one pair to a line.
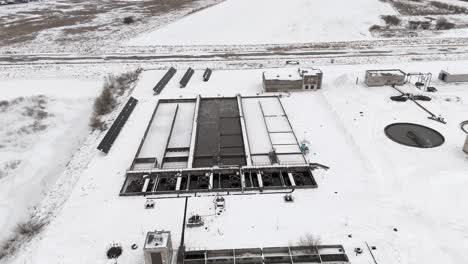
386,72
310,71
454,71
157,239
289,74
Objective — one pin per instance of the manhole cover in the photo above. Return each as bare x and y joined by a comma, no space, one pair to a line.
414,135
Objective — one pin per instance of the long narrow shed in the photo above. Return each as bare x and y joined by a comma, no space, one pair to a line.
385,77
453,76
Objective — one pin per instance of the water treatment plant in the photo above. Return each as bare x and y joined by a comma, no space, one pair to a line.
221,155
234,132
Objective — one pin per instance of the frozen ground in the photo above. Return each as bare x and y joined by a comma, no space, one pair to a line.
237,22
281,21
96,27
455,2
42,125
84,26
373,186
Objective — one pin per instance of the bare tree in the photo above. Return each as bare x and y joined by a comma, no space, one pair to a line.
309,240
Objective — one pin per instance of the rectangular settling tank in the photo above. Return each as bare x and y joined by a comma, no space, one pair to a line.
219,139
269,130
167,142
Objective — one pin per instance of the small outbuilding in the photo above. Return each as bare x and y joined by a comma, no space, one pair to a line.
453,76
286,80
158,248
385,77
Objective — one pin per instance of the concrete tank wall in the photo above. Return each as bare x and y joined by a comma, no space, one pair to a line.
281,85
465,147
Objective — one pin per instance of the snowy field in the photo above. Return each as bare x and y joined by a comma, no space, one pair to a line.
374,186
281,21
53,26
42,124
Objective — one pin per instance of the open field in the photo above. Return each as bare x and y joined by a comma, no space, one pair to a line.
429,7
296,21
79,27
423,18
306,22
83,26
43,124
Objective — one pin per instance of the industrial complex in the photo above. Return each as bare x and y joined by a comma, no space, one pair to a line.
245,145
234,132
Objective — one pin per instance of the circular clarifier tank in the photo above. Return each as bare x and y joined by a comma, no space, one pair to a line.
414,135
464,126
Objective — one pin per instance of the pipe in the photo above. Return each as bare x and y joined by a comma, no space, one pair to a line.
182,238
145,185
291,179
194,133
178,183
242,181
260,181
211,181
244,130
181,251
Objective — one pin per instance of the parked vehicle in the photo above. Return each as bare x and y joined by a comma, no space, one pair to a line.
292,62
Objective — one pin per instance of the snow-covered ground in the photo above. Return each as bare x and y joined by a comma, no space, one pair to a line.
83,26
374,185
271,21
407,202
42,124
455,2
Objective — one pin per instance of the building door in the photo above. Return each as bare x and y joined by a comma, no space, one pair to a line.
443,77
156,258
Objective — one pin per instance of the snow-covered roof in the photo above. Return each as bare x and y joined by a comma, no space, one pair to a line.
455,71
157,239
289,74
386,72
310,71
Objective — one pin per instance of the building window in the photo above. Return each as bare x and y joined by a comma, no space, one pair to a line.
307,87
